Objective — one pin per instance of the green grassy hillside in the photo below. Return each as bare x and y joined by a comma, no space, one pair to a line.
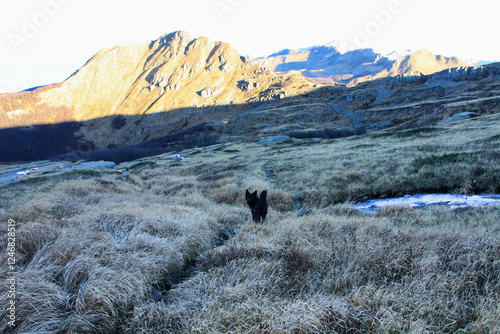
170,246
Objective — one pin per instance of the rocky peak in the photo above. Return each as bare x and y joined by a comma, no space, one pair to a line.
341,46
425,62
154,80
168,39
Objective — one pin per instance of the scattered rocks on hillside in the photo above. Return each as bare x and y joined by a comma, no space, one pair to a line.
458,72
207,92
210,68
163,84
225,68
168,88
247,86
406,77
157,81
246,59
351,98
272,94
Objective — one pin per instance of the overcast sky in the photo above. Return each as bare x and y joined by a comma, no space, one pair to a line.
44,41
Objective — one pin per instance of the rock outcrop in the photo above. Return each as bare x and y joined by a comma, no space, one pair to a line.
169,77
458,72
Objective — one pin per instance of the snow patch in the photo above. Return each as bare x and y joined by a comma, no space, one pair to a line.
424,200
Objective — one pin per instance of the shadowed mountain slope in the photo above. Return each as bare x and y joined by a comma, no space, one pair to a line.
174,72
179,91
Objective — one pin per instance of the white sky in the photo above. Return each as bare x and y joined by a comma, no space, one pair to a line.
42,41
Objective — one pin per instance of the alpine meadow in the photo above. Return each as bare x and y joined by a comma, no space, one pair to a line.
128,194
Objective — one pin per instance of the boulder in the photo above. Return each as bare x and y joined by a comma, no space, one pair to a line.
246,59
224,68
207,92
245,86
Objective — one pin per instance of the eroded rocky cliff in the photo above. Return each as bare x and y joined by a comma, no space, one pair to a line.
176,80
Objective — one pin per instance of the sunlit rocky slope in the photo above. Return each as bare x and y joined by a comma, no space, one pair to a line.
180,91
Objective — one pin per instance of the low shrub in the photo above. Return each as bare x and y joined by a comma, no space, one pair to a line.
327,133
444,159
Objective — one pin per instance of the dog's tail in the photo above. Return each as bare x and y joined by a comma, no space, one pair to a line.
263,195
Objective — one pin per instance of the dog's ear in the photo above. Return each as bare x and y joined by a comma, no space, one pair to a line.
255,193
247,193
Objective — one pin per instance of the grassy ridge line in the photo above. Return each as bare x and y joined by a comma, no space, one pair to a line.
93,250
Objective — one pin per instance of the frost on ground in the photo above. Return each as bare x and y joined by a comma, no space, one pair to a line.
423,200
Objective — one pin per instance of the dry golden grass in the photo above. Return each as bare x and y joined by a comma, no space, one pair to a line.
171,247
460,158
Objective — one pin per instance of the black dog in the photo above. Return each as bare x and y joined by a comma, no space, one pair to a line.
257,205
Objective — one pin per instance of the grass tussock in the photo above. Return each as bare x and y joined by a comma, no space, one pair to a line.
324,274
170,247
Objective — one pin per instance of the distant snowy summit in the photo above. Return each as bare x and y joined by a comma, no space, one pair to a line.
344,47
398,54
341,46
343,63
478,62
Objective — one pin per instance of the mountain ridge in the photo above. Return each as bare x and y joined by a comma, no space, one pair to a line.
174,72
180,91
327,64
